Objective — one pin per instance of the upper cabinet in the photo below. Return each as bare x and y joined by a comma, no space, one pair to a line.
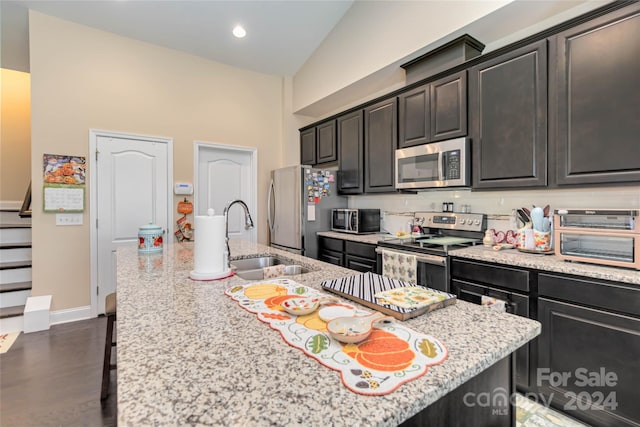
434,112
308,147
380,143
327,150
351,157
508,115
448,98
595,110
318,144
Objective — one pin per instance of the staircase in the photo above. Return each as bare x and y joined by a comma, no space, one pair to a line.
15,269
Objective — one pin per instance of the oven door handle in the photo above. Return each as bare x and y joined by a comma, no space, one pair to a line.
424,258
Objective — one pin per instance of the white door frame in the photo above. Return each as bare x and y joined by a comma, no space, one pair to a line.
93,199
199,145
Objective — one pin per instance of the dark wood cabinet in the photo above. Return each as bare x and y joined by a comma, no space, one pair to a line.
308,147
360,256
595,113
318,145
471,280
350,157
433,112
331,250
415,122
345,253
582,342
327,150
590,331
508,115
380,143
448,111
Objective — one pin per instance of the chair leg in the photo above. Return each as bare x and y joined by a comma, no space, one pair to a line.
106,366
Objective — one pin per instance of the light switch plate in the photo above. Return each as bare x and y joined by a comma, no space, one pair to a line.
69,219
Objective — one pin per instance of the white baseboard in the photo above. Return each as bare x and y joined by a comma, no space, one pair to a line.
71,315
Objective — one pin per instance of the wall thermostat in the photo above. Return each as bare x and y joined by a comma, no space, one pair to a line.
183,188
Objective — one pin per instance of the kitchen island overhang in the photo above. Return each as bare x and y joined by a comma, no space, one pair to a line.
187,354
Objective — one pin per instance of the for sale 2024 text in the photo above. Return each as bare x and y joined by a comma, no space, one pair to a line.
585,379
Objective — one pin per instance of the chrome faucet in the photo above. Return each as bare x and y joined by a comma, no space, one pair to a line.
248,224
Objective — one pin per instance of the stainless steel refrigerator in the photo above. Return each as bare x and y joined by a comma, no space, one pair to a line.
300,200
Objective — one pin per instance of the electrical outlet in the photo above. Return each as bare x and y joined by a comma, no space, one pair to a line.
69,219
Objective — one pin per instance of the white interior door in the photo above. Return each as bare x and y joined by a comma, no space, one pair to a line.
226,173
132,186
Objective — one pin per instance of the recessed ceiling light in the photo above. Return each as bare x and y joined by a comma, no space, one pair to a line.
239,32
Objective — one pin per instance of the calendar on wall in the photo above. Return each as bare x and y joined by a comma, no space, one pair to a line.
64,183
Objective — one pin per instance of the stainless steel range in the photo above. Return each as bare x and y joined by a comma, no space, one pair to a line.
442,232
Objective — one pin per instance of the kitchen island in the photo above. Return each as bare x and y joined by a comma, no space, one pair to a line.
189,355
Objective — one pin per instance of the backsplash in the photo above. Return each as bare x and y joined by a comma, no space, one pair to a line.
498,205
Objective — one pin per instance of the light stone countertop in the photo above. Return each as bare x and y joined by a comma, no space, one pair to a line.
189,355
371,239
514,258
549,263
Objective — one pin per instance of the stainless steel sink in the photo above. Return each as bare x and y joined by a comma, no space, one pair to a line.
253,268
254,263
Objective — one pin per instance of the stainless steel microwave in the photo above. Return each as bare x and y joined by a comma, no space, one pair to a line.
357,221
436,165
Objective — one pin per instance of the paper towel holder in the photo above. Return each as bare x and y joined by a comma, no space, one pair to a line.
208,275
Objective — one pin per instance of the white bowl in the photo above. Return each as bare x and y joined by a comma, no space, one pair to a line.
353,330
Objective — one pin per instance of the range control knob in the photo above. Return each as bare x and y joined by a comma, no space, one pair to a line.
476,222
463,221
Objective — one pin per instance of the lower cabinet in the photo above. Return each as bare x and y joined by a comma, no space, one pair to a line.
586,362
331,250
345,253
471,280
589,356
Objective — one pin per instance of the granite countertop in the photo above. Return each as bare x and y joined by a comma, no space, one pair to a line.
189,355
513,257
362,238
551,263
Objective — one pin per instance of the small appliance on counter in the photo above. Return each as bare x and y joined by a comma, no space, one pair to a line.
599,236
356,221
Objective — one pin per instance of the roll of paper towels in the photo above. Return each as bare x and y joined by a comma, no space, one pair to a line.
209,247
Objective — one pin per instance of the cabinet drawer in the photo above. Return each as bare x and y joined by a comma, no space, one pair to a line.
363,265
360,249
331,257
331,244
610,296
491,274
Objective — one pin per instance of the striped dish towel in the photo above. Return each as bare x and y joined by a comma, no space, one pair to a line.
399,266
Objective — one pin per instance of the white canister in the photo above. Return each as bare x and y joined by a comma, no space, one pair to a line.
149,239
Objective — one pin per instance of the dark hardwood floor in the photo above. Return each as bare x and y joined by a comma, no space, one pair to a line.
53,378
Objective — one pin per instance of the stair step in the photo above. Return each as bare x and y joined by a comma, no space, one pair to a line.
16,275
17,245
13,234
16,310
12,287
14,265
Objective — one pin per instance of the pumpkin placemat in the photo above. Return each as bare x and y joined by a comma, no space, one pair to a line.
391,356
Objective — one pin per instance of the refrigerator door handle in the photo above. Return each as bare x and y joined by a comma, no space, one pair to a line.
271,221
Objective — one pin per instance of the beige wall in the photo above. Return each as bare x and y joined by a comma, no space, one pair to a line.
374,34
15,134
84,78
